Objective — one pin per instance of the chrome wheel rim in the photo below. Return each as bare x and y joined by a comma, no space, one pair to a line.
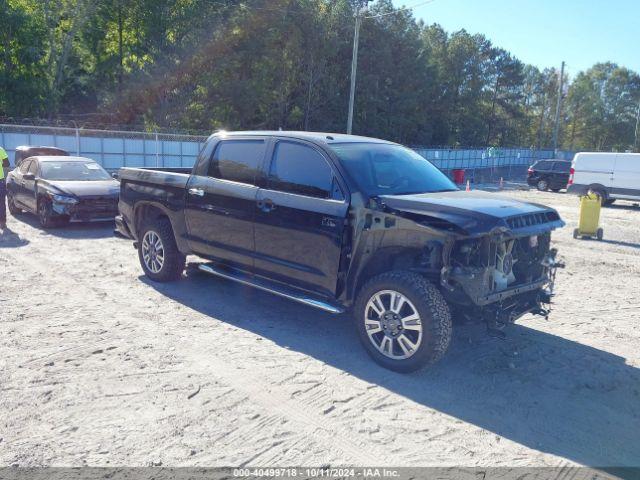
152,251
542,185
393,324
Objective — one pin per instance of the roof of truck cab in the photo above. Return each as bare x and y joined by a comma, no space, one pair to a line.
61,158
324,137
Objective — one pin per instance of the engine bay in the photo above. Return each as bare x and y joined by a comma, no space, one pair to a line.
496,263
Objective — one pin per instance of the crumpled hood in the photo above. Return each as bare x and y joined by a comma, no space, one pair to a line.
85,188
478,213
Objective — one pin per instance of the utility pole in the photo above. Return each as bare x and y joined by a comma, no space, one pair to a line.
635,138
558,106
354,66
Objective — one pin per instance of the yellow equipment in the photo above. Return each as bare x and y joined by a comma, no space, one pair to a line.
4,162
590,206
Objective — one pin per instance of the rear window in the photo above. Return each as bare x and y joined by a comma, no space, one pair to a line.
237,160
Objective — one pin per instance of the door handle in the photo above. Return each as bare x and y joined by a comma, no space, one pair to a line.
266,205
197,192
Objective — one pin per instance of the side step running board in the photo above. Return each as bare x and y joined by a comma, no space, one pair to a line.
281,292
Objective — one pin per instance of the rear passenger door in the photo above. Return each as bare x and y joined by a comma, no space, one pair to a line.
16,188
29,186
220,206
300,218
560,175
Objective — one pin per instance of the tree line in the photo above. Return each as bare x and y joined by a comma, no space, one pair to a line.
202,65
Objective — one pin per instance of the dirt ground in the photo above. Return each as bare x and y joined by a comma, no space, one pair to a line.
99,366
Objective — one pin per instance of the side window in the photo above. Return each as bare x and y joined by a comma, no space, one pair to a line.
297,168
237,160
33,167
24,166
561,167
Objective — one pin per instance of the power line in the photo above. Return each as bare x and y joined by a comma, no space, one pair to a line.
402,9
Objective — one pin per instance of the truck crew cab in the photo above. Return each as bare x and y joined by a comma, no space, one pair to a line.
343,222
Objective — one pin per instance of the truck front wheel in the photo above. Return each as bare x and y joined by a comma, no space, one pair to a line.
158,253
403,321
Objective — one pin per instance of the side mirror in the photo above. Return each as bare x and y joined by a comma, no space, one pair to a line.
28,176
115,175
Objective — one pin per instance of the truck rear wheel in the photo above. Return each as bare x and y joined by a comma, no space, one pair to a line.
403,321
158,253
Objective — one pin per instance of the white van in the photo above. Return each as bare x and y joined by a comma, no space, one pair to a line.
612,175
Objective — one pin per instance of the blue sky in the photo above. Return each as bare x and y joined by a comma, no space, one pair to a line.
545,32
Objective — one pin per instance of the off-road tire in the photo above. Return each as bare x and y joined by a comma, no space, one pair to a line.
433,311
11,204
174,260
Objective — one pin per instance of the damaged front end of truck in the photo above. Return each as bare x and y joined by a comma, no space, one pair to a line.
495,262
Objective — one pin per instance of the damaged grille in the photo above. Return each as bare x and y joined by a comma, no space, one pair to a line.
532,219
99,204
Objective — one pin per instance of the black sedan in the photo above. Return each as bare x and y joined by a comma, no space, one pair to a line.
61,189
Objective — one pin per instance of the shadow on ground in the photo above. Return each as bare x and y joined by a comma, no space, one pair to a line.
623,205
84,230
537,389
10,239
621,243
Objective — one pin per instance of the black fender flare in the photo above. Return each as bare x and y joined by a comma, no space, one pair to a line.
176,219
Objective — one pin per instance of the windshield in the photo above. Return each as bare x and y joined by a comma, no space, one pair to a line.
73,171
382,169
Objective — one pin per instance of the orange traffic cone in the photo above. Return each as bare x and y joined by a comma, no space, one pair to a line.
468,186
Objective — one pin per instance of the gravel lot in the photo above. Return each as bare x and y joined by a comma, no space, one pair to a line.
99,366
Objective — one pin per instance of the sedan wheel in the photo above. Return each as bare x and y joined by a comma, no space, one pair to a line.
45,215
13,208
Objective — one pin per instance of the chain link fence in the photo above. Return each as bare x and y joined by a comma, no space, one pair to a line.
111,148
489,164
121,148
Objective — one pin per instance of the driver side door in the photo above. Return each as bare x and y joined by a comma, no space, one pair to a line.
300,218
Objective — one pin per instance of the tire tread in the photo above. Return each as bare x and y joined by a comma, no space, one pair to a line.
174,259
438,328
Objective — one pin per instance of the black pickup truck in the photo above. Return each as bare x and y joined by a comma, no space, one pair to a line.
343,222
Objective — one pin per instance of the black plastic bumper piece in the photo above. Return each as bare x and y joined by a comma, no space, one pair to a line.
121,228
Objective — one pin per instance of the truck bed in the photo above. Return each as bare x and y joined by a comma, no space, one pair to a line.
171,177
163,189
